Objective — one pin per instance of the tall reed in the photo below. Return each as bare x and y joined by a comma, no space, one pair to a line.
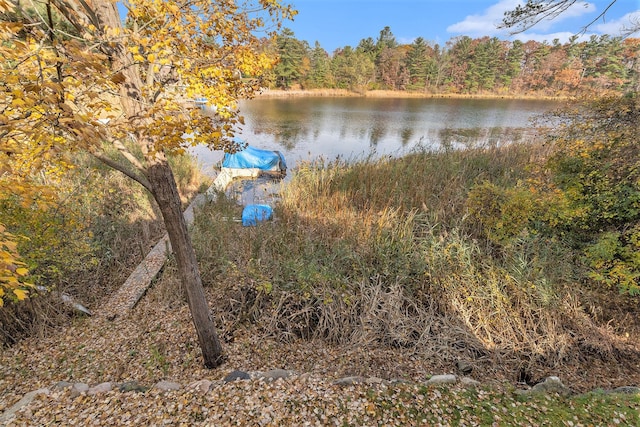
382,252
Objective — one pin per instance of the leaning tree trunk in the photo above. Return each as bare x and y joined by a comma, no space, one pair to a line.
162,184
166,194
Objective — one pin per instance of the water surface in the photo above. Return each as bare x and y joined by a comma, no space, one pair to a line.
305,128
357,127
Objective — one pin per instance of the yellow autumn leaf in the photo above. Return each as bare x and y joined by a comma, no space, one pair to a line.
21,294
22,271
17,103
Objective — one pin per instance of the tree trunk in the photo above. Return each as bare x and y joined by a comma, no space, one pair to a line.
163,187
166,194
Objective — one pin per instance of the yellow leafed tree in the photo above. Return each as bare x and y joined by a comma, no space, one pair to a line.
82,74
12,271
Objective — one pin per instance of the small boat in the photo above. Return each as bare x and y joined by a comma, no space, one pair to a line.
250,162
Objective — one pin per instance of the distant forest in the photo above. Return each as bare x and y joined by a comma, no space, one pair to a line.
462,65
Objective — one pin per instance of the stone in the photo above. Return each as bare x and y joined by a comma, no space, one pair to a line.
79,388
167,386
276,374
627,390
100,389
26,399
469,382
62,385
236,375
549,385
464,367
350,380
203,386
132,386
442,379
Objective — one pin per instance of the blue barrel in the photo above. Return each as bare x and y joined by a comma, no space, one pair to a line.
253,214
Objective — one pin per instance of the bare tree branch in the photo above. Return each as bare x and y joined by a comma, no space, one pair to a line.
120,168
525,17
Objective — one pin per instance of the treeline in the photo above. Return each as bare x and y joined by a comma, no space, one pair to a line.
463,65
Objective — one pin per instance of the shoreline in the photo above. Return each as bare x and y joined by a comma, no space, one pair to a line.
335,93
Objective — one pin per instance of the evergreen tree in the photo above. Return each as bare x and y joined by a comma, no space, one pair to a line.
291,52
368,47
513,64
352,69
386,39
320,73
417,64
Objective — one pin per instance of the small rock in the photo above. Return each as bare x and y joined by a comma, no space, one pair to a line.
350,380
79,388
26,399
549,385
236,375
442,379
255,375
374,380
276,374
132,386
167,386
627,390
469,382
202,386
100,389
62,385
464,367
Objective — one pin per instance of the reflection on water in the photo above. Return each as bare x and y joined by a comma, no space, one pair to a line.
359,127
306,128
482,137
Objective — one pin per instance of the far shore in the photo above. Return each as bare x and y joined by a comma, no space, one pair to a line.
292,93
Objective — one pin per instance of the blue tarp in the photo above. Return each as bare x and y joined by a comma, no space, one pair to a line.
252,157
252,214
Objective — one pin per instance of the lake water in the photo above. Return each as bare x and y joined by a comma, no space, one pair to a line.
356,127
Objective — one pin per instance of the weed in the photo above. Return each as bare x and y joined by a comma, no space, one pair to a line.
384,252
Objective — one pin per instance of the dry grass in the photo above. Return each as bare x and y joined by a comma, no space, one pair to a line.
381,254
278,93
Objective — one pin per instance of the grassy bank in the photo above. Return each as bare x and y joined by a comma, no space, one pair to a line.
375,269
291,93
386,254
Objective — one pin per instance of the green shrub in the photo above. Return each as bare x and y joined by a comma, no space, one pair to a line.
596,166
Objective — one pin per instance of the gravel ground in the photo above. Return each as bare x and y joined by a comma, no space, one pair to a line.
304,400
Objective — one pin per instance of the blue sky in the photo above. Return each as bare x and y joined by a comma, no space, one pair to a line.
338,23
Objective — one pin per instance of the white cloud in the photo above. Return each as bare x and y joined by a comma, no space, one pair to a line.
485,24
617,26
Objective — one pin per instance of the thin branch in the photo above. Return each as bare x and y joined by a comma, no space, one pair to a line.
525,17
127,154
120,168
604,12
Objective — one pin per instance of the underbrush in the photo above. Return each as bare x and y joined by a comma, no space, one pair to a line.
385,253
84,242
